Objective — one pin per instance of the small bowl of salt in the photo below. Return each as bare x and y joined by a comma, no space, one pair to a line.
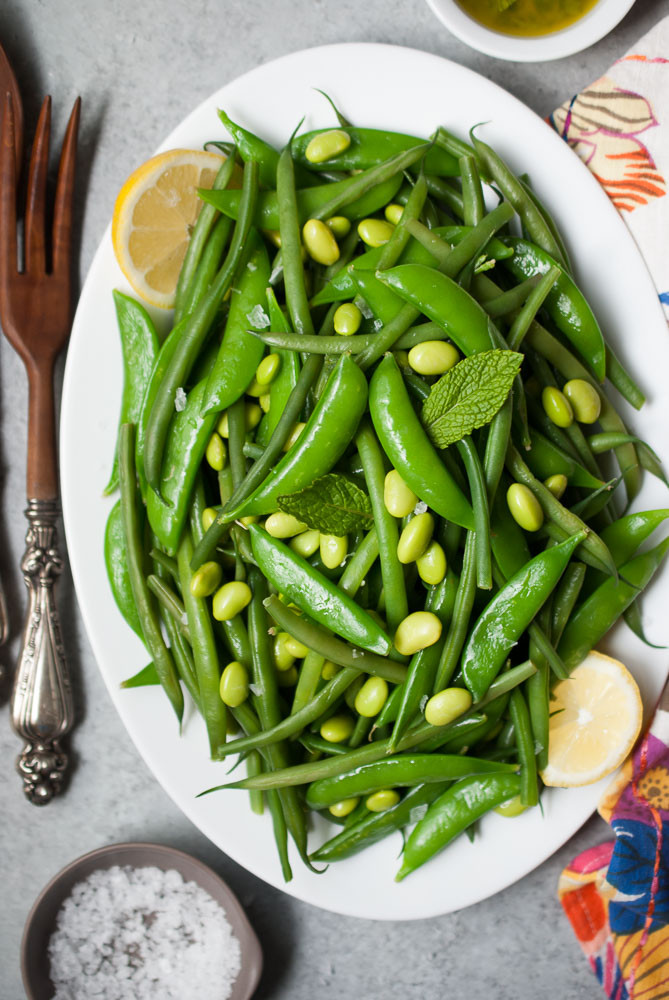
138,921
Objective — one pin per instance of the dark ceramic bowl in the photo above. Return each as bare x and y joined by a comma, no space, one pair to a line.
42,918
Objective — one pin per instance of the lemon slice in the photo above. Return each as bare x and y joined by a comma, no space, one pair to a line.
154,215
596,717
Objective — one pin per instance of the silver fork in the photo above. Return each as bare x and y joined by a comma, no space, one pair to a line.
35,311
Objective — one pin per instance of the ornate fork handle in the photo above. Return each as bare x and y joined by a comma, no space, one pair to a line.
42,708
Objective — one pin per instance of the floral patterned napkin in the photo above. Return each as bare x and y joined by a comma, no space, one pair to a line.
619,126
616,896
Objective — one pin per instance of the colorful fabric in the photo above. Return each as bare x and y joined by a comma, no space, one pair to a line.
619,126
616,896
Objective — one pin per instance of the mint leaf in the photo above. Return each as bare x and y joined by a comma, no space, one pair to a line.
504,4
332,504
469,395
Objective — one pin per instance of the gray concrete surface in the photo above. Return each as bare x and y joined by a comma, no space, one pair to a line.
140,66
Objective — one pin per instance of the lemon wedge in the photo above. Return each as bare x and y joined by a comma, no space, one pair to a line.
154,215
596,717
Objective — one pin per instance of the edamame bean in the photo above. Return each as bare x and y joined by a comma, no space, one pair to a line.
417,631
209,515
447,705
222,425
393,213
283,657
206,579
287,678
230,599
268,369
375,232
320,242
371,697
399,500
340,225
384,799
255,389
234,684
337,728
253,415
326,145
307,543
585,400
514,807
343,808
557,407
333,549
297,648
328,670
433,357
216,453
281,525
265,401
524,506
431,565
347,319
293,436
557,484
415,537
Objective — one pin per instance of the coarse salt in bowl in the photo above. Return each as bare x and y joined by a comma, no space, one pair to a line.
154,897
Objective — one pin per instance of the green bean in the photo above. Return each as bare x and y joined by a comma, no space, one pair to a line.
269,712
392,251
508,302
562,518
207,267
364,182
394,586
570,367
623,381
531,307
167,562
446,192
168,600
424,735
477,487
323,642
146,610
533,219
204,651
565,598
464,603
472,192
195,330
289,228
198,239
261,468
372,827
496,447
250,725
548,219
351,579
423,666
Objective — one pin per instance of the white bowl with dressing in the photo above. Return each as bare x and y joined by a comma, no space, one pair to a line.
587,30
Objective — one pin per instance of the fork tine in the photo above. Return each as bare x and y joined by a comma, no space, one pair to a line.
8,251
35,232
62,213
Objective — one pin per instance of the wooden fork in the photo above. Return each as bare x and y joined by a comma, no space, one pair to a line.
35,312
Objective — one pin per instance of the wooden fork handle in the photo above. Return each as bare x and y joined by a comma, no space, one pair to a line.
42,464
42,707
